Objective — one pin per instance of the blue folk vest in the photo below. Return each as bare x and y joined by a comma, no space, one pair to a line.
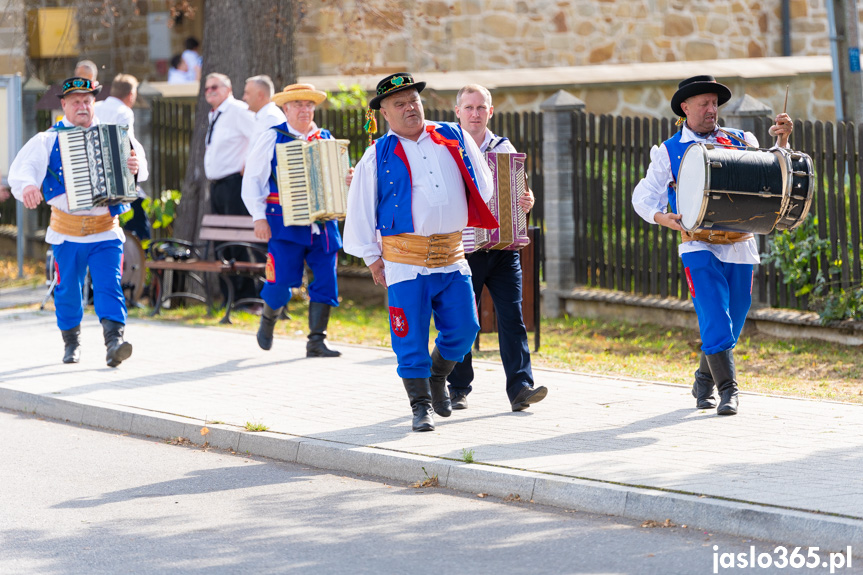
298,234
676,149
54,185
394,187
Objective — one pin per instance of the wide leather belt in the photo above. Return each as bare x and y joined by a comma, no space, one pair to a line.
72,225
434,251
716,237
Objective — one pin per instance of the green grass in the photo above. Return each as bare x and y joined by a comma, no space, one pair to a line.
467,455
256,426
34,273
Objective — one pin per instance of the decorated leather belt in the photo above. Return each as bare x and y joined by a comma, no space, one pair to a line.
72,225
434,251
716,237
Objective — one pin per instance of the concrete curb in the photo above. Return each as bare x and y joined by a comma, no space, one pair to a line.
741,519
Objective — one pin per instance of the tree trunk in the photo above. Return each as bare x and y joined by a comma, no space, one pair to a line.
241,39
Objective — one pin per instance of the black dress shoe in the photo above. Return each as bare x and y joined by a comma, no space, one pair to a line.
527,396
459,401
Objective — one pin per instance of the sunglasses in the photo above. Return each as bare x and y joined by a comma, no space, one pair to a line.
212,88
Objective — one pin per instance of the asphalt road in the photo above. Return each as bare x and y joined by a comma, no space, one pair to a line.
78,500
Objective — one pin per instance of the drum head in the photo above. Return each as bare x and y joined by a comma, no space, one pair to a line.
691,183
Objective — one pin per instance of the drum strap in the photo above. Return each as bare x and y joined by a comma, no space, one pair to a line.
729,134
716,237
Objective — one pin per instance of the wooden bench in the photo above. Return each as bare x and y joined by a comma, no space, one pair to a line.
530,258
194,261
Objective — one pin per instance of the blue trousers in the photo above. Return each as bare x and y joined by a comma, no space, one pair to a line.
105,260
447,296
500,270
722,294
285,271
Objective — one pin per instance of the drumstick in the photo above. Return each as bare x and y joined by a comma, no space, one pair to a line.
784,109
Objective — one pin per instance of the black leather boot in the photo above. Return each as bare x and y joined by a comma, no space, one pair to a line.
319,316
702,387
118,350
440,369
725,376
420,398
269,317
72,339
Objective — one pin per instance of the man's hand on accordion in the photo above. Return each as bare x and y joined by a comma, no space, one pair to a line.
31,197
377,269
262,230
527,200
133,163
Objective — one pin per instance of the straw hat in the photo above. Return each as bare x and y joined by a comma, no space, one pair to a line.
299,92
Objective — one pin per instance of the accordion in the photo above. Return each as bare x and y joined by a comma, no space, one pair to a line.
95,166
507,172
311,177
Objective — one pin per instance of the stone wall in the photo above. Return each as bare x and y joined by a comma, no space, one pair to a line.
114,35
643,89
374,36
13,44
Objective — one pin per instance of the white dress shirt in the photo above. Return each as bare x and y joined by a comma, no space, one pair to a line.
30,167
229,141
193,62
438,202
650,197
176,76
112,110
256,186
505,147
267,117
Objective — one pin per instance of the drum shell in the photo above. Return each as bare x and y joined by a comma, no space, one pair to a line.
744,190
802,190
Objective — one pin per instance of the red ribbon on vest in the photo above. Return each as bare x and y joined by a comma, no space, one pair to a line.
478,214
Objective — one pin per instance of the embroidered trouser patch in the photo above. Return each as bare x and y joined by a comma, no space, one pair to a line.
448,297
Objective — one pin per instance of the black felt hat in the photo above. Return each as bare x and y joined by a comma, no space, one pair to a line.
695,86
392,84
78,85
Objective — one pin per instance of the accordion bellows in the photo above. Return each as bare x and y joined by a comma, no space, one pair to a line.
507,172
95,166
311,178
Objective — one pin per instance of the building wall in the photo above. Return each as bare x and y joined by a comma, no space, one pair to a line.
13,45
114,35
373,36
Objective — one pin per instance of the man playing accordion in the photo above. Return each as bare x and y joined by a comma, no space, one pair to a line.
288,246
88,238
718,265
500,270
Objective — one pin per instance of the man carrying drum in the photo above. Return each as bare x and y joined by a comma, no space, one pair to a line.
718,265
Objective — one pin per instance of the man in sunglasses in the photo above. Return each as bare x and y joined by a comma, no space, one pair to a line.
231,126
90,238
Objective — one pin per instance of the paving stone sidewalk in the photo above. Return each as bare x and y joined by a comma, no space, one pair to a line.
19,296
799,461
